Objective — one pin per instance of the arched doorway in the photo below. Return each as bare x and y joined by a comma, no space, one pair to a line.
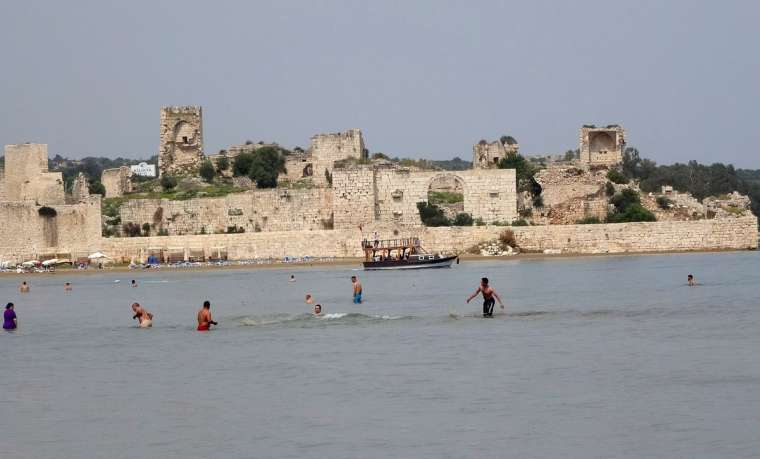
446,191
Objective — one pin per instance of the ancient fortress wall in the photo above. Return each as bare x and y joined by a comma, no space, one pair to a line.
27,177
367,194
727,234
181,144
253,211
25,234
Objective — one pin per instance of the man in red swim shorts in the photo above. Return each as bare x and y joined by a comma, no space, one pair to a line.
204,317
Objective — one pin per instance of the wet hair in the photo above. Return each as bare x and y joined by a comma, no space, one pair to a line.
318,306
23,283
207,304
353,277
484,280
9,305
133,281
135,304
690,276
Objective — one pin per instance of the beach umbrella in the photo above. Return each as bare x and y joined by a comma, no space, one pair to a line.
30,263
97,255
52,261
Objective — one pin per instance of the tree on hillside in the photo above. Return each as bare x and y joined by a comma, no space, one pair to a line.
266,166
524,172
206,171
242,164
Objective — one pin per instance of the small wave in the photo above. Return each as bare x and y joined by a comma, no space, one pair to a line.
307,319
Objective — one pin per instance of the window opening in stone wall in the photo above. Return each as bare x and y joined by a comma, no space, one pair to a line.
184,140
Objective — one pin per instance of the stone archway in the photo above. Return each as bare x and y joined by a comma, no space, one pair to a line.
447,192
601,142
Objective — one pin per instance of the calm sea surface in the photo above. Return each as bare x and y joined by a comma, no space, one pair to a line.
595,357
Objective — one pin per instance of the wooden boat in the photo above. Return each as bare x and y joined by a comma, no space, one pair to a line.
404,253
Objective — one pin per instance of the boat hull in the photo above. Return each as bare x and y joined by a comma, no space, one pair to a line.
444,262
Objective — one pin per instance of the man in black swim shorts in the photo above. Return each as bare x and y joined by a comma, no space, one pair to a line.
488,297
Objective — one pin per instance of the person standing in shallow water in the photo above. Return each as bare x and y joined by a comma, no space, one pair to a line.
24,287
144,318
488,297
357,290
690,280
204,317
10,322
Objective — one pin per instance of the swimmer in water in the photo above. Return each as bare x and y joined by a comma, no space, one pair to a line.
292,278
204,317
690,280
309,299
10,322
134,283
488,297
357,290
317,309
144,318
67,287
24,287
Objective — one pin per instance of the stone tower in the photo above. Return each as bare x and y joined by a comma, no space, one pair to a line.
487,155
602,145
325,149
181,147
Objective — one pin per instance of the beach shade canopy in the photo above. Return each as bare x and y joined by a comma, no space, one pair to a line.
30,263
52,261
97,256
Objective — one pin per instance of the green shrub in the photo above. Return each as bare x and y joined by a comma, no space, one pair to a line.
463,219
588,221
222,164
97,188
168,182
445,197
241,167
146,229
520,222
663,202
207,171
432,215
479,222
267,164
625,198
633,213
131,229
615,176
609,189
507,238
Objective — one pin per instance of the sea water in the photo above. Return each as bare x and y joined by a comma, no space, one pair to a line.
594,357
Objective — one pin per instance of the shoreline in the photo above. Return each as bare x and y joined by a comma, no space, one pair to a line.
356,262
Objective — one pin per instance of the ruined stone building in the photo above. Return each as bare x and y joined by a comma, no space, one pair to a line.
326,149
117,181
602,145
487,155
36,219
181,145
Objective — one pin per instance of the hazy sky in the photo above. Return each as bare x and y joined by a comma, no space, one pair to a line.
421,79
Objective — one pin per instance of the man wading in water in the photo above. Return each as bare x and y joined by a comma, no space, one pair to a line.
488,295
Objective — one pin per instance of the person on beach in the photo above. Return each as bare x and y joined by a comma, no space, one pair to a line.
309,299
204,317
134,283
24,287
67,287
10,322
488,297
357,290
317,309
144,318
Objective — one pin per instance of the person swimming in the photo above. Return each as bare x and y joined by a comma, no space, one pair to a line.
488,297
317,309
24,287
204,317
134,283
357,290
10,322
690,280
292,278
144,318
67,287
309,299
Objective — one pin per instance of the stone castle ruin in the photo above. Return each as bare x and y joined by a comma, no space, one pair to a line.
39,220
602,145
487,155
340,197
181,147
